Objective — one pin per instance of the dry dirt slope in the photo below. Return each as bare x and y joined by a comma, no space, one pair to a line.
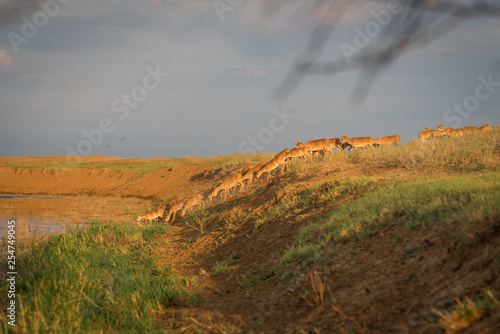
144,178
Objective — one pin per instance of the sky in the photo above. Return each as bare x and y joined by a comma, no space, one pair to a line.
172,78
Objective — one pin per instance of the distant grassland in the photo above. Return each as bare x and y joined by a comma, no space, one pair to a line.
142,165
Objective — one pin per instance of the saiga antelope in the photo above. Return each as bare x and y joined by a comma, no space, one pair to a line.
281,156
470,129
298,153
226,185
249,175
485,127
335,143
318,145
454,132
270,166
151,216
426,134
388,140
192,201
175,205
358,142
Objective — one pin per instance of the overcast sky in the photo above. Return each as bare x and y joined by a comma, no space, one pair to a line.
100,68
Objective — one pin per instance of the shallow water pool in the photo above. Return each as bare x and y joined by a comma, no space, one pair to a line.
39,215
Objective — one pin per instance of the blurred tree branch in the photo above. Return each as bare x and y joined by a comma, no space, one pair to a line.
418,24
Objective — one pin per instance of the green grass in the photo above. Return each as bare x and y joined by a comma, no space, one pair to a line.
220,267
313,194
99,279
463,198
245,282
197,220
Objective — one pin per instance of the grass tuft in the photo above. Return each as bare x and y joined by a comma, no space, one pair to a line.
466,312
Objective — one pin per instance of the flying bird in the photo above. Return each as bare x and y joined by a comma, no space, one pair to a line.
122,139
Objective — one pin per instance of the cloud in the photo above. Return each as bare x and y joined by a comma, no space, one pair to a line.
5,60
249,72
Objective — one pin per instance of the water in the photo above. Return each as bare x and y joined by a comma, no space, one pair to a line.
39,215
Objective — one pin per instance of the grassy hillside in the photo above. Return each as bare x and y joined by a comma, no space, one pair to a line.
394,240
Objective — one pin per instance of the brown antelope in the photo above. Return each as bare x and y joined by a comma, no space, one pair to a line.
426,134
151,216
249,175
427,128
298,153
335,143
388,140
281,156
270,166
345,145
246,169
191,202
318,145
175,205
358,142
485,127
470,129
454,132
226,185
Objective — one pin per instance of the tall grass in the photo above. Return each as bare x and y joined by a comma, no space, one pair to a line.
98,279
475,151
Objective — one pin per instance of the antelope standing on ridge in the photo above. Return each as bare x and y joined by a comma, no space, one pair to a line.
335,143
388,140
485,127
318,145
454,132
426,134
470,129
358,142
298,153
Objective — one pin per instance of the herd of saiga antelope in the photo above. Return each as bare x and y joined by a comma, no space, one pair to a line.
307,150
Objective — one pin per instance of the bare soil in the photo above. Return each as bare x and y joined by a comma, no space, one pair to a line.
56,180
